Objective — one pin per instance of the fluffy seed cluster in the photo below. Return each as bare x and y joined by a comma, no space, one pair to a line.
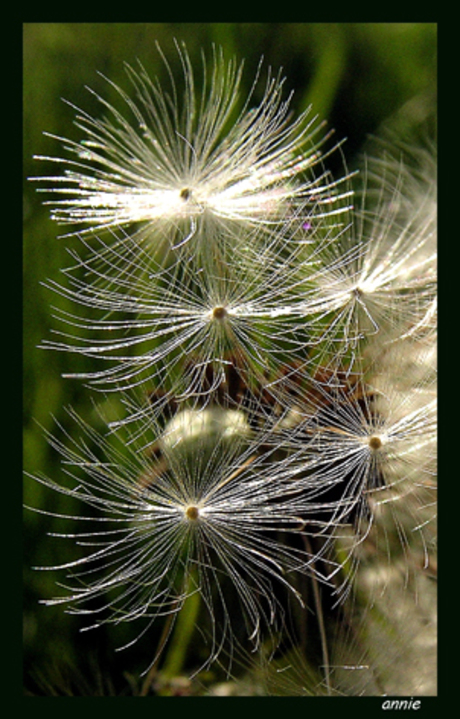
274,342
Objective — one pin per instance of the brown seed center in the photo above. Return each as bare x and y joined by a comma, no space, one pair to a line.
219,313
192,512
375,442
185,194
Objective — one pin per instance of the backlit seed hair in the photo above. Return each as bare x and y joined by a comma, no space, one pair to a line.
169,164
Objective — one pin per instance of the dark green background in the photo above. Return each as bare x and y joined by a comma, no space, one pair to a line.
355,76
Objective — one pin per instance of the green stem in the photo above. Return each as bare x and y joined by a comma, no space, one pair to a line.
151,674
182,636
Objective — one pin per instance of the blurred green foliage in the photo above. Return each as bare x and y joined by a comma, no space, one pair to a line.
354,75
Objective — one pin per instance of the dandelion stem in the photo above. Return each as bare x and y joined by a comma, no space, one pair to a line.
152,672
320,618
183,633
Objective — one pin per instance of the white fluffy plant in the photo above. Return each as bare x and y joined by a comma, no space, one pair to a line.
266,325
205,515
177,327
202,228
379,276
178,161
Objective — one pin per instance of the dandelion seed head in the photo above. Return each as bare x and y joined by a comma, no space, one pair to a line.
190,159
148,323
292,345
379,276
204,518
205,425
